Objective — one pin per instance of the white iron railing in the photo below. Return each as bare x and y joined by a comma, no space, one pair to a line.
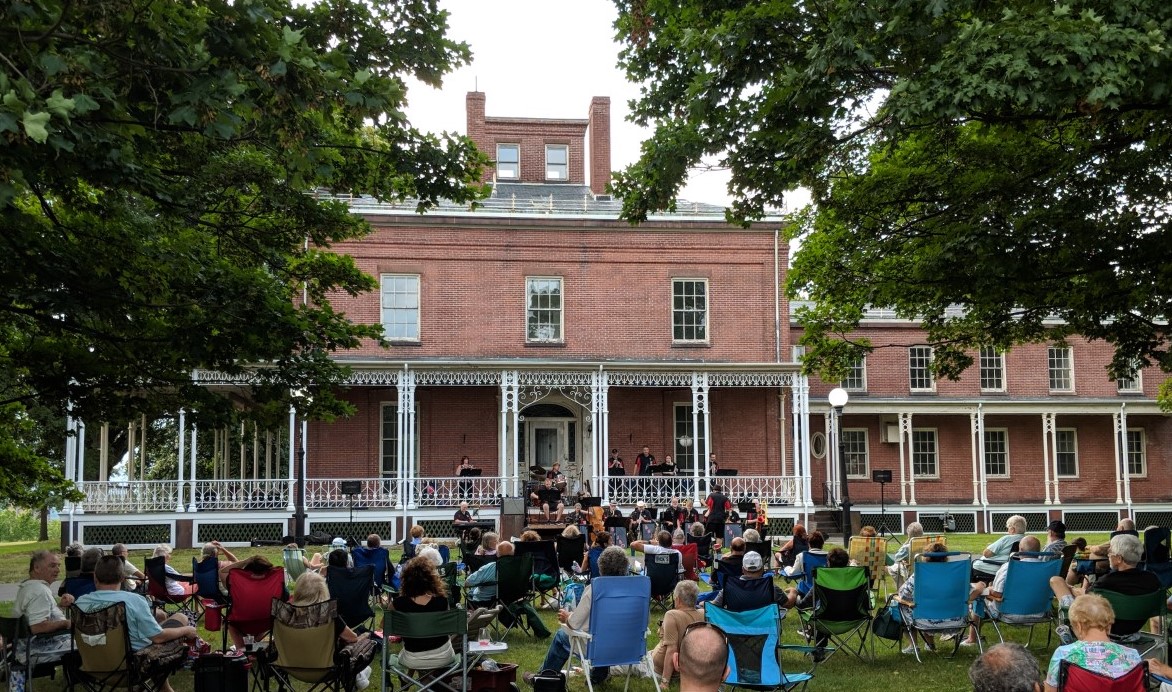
124,497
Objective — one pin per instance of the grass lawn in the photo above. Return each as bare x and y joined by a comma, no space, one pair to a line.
891,670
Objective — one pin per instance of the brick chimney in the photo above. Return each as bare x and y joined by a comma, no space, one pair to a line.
474,108
599,137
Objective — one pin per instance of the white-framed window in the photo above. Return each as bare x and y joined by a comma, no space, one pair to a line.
1060,360
400,307
856,377
1066,452
689,310
543,316
854,447
1131,385
996,453
389,466
557,162
919,363
925,453
1137,453
992,365
508,161
686,455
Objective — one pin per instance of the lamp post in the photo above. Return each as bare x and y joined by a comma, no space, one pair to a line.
302,397
838,398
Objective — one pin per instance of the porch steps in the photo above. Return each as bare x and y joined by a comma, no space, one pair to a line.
828,521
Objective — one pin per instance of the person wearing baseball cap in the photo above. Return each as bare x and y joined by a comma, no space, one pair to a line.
1057,537
639,517
752,590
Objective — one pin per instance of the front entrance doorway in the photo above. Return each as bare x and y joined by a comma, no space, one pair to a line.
548,436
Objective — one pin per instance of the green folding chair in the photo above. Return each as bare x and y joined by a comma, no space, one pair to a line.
451,623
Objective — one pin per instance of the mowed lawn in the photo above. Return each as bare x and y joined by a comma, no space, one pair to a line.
891,670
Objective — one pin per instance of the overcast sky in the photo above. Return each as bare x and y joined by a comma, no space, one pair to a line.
543,58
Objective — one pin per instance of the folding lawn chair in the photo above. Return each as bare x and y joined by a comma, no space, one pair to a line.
1073,678
941,597
1140,608
156,571
1028,599
351,587
871,552
15,639
1156,554
810,562
449,571
703,548
513,590
754,649
688,553
617,633
379,560
592,561
104,658
842,611
249,601
305,649
570,552
294,567
474,562
663,569
451,623
546,575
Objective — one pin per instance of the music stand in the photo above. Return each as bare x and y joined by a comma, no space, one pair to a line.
350,489
726,472
883,478
588,501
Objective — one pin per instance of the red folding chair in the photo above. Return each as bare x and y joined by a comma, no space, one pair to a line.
250,600
1072,678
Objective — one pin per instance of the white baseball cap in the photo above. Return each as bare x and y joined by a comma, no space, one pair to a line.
338,543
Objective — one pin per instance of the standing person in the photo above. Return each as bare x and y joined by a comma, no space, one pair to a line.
644,462
718,508
463,470
713,464
464,466
702,659
46,619
615,469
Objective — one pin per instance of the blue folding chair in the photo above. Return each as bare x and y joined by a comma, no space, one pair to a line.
753,648
619,615
941,596
810,562
379,559
592,560
1027,599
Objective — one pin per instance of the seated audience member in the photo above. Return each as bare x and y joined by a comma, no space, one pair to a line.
995,591
998,551
35,600
422,591
175,587
214,549
133,577
751,536
89,561
140,621
731,562
735,594
601,543
661,546
902,558
413,539
311,588
1091,618
702,659
612,563
1125,553
74,550
814,545
675,621
483,585
256,567
488,544
1056,537
1006,667
1101,564
789,551
907,594
868,532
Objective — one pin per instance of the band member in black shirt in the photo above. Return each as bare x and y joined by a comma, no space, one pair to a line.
644,462
549,496
673,516
718,509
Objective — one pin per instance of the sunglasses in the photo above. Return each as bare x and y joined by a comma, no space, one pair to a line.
703,623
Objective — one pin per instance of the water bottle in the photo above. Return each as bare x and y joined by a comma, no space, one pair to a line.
16,678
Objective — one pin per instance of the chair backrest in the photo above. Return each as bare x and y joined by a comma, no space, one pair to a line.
752,644
703,546
569,551
294,567
449,623
869,552
619,606
762,548
842,594
1133,609
724,569
811,561
445,552
663,569
79,586
1027,584
378,559
156,570
409,546
12,631
72,565
449,571
592,559
305,638
545,557
1068,553
689,555
512,576
351,586
920,544
251,596
1073,678
741,594
207,577
942,588
473,562
102,639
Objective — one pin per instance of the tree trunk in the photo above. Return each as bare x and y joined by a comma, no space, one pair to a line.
44,524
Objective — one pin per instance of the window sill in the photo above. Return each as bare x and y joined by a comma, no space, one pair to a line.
545,344
690,344
416,342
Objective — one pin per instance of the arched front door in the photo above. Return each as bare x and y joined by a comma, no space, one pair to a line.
548,436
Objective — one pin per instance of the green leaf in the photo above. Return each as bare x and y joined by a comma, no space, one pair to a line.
36,126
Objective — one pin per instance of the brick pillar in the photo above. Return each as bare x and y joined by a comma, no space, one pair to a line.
599,144
474,107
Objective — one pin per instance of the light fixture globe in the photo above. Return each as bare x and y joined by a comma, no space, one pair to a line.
838,397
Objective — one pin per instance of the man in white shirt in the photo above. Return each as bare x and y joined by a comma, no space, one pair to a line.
46,619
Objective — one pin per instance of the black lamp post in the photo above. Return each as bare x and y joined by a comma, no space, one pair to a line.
838,398
300,395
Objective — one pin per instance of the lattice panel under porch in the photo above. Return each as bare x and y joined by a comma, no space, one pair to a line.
130,534
239,533
1035,521
1093,521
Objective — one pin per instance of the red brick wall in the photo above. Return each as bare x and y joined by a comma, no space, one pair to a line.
617,284
599,133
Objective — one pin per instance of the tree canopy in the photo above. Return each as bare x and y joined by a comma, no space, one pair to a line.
157,161
1011,158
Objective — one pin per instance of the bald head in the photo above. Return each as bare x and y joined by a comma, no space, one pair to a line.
1030,544
504,548
702,659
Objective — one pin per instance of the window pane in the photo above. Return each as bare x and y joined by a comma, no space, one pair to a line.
400,307
920,368
689,310
1136,453
854,448
1061,366
856,378
544,316
685,455
390,441
924,452
992,370
1066,450
996,453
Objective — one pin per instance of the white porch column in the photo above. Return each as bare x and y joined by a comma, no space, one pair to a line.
191,507
1126,466
973,433
130,435
1046,425
104,454
700,412
604,440
906,430
781,432
181,458
80,468
1118,437
1052,457
292,456
599,384
831,450
981,455
804,442
407,382
510,481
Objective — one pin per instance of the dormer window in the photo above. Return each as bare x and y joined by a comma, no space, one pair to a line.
557,162
508,161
